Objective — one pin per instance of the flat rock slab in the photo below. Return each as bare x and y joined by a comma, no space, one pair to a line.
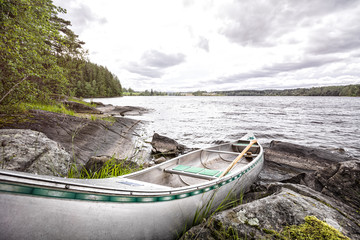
31,151
81,137
122,110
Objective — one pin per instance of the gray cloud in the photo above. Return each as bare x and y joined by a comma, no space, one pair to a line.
338,39
203,44
144,70
158,59
153,63
261,23
275,69
81,16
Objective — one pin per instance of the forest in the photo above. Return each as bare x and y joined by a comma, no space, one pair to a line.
349,90
40,56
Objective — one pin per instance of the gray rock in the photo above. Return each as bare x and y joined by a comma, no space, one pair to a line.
284,205
160,160
167,146
82,137
81,108
33,152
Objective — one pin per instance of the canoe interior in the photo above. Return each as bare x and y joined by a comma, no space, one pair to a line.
214,158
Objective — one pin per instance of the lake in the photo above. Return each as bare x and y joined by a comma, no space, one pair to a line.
323,122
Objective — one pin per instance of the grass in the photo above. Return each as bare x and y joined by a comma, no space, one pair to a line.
111,168
107,118
82,102
60,108
208,210
57,108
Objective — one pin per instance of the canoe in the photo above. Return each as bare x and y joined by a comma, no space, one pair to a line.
160,202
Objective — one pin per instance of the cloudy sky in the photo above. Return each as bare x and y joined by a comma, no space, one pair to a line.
189,45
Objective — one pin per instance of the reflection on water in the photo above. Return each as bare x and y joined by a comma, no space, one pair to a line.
327,122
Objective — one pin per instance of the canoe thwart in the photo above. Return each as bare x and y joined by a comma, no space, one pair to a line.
196,172
219,151
244,145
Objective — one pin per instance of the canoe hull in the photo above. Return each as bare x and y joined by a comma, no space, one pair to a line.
32,215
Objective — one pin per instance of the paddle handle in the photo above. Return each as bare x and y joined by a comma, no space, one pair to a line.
238,158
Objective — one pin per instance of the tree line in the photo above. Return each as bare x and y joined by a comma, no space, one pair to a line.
350,90
41,56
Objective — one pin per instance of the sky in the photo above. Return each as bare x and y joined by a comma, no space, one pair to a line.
209,45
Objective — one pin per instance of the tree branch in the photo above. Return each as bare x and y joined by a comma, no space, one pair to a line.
12,89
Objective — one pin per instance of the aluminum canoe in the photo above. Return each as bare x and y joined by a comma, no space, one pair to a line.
160,202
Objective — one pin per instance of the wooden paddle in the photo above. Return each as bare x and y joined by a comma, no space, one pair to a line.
238,158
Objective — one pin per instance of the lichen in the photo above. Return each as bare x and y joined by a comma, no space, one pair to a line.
313,228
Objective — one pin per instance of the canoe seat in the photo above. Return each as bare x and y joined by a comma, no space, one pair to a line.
245,145
196,172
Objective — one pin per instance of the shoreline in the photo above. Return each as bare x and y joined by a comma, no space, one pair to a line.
83,137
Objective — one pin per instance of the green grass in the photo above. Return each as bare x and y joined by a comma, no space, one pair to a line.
82,102
111,168
57,108
107,118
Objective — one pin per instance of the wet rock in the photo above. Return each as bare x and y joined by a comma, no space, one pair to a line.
81,108
166,146
31,151
283,205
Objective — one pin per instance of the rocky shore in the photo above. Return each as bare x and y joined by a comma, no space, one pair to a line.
296,181
46,143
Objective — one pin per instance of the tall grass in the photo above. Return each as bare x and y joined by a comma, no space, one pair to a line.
208,210
111,168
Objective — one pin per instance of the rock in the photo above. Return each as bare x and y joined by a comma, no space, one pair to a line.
285,161
166,146
149,164
31,151
81,108
96,163
342,183
122,110
81,137
284,205
160,160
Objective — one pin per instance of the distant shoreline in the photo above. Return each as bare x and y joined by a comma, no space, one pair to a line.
339,91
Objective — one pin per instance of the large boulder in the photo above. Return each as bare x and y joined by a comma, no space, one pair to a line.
30,151
166,146
283,205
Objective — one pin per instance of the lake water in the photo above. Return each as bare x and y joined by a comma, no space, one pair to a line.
324,122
